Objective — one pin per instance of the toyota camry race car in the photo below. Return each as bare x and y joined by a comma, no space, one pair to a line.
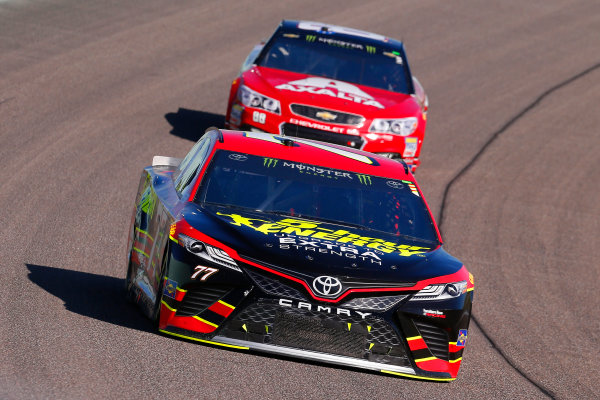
298,248
332,84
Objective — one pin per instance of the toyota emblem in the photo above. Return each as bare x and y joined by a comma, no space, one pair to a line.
327,286
238,157
395,184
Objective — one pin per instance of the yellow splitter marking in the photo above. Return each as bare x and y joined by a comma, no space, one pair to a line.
205,341
205,321
418,377
226,304
166,305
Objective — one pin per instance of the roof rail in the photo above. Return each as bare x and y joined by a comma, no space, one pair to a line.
219,133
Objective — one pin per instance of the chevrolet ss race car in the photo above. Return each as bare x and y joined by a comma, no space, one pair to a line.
298,248
332,84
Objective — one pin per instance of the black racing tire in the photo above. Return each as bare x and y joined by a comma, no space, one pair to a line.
129,292
155,316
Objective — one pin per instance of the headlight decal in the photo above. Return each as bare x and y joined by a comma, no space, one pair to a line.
208,252
395,126
441,291
251,98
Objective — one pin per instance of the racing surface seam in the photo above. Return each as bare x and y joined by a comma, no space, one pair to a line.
5,100
510,362
496,134
468,166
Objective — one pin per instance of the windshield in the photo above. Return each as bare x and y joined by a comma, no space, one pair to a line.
343,60
278,186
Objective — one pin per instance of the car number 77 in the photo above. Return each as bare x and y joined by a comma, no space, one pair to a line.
204,271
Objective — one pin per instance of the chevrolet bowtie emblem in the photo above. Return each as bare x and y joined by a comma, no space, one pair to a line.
326,115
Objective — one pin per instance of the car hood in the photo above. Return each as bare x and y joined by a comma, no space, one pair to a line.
328,93
310,247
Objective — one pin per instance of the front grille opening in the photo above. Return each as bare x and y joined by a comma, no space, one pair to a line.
198,299
309,333
435,338
274,287
327,116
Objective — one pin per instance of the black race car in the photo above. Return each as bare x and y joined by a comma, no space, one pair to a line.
298,248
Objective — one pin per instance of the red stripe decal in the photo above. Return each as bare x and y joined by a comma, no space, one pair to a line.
179,295
191,324
416,344
436,365
221,309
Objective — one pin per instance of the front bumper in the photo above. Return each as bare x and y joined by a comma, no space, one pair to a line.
407,148
258,311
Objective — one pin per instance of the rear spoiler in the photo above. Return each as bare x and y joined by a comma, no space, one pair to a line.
162,161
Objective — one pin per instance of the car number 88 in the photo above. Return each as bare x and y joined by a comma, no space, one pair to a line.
259,117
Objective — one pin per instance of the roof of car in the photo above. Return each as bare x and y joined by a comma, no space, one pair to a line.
340,31
312,152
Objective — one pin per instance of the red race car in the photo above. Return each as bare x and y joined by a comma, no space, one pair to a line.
332,84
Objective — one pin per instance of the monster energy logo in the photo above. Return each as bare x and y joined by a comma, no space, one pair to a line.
364,179
270,162
371,49
311,38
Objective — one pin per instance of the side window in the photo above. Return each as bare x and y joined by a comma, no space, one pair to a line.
249,61
188,167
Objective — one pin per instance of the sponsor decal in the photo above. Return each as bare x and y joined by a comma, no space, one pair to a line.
364,179
342,43
235,117
353,131
471,280
317,171
371,49
270,162
395,55
238,157
318,308
291,227
170,288
148,201
172,231
203,272
331,87
412,188
462,338
328,247
433,313
311,38
327,286
316,125
410,147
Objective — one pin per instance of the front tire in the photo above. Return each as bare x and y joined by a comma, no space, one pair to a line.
129,292
155,316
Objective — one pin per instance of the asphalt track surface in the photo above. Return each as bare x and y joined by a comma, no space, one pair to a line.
90,91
